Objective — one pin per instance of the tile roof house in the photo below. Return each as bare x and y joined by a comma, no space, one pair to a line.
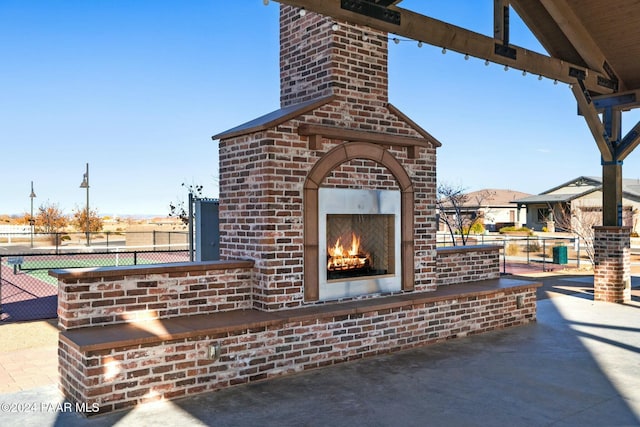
496,205
584,192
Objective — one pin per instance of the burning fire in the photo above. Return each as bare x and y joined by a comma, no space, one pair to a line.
341,258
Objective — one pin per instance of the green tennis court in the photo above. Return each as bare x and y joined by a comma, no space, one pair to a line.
39,269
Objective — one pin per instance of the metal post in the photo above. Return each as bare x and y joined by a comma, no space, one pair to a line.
544,254
31,220
190,227
0,286
504,256
85,184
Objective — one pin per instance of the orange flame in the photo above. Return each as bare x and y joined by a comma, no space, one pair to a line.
342,258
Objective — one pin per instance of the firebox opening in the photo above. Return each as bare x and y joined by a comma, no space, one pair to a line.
359,246
358,242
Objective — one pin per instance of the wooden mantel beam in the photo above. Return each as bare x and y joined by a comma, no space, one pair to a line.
438,33
317,132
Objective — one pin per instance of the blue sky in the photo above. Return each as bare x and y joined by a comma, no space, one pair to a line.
136,88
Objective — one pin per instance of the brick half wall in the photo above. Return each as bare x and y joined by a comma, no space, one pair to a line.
461,264
111,295
169,362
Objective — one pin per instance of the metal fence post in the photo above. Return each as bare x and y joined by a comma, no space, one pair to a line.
504,256
0,285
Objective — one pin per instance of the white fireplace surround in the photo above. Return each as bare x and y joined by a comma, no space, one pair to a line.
358,202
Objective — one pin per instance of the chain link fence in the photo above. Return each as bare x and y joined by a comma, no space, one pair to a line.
27,292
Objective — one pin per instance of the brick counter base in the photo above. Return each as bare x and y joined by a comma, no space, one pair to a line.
122,365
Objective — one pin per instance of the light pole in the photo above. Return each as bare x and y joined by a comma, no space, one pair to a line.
85,184
31,220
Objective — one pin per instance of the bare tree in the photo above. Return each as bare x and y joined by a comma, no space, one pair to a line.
580,220
179,210
457,212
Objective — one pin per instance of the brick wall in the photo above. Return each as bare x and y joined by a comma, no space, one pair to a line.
118,295
262,177
612,272
460,264
317,60
263,172
118,378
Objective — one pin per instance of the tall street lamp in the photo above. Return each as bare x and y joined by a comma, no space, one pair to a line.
85,184
31,220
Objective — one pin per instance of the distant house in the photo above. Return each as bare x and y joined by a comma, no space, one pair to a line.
585,193
494,205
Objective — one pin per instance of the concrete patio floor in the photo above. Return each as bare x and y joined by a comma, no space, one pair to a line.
578,365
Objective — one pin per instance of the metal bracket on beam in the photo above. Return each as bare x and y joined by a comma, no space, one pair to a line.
373,10
585,92
577,73
615,101
610,73
609,84
506,51
611,163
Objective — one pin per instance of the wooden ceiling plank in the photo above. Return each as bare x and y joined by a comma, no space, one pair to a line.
570,25
438,33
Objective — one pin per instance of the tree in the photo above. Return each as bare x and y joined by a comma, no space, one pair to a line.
79,220
50,218
178,210
458,213
580,221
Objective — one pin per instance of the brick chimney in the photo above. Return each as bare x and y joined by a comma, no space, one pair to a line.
321,57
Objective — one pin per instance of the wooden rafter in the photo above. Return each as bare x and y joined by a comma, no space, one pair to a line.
438,33
576,33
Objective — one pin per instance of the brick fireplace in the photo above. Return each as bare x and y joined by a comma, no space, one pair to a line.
336,178
335,132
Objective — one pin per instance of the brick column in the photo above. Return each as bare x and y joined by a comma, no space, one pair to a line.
612,276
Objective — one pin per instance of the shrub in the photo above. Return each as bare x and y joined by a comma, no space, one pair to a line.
477,228
512,249
533,246
512,229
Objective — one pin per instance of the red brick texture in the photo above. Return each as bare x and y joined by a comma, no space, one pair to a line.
262,210
317,60
122,376
120,296
262,174
461,264
612,273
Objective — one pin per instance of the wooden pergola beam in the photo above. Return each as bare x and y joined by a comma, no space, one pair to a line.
576,33
596,127
438,33
629,142
618,101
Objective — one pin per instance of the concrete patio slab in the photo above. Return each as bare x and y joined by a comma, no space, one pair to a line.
578,365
